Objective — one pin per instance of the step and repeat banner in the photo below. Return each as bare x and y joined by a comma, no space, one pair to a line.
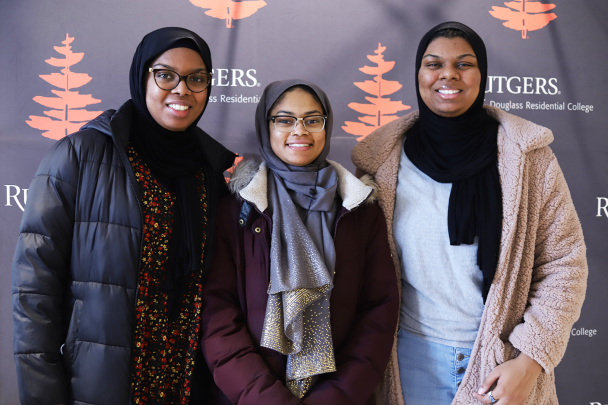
65,61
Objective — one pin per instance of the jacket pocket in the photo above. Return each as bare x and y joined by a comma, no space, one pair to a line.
504,351
69,349
544,390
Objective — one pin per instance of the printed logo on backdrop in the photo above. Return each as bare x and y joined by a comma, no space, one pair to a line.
583,332
524,15
68,113
380,110
239,78
536,86
15,196
229,10
602,207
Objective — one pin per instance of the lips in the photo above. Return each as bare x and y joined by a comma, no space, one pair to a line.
179,107
179,110
299,145
446,91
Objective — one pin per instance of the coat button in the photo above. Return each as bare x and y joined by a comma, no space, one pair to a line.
460,357
241,221
458,383
460,370
258,229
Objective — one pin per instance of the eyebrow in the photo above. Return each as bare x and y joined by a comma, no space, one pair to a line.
172,68
306,113
458,57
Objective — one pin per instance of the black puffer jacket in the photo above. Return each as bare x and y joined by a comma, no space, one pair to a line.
75,271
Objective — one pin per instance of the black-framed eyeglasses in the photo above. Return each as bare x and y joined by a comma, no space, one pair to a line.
167,79
287,123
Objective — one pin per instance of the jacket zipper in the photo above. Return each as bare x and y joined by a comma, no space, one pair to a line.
141,242
130,176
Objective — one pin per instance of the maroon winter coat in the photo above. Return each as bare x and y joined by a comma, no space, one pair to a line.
364,302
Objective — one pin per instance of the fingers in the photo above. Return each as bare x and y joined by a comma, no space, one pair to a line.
489,381
485,399
482,394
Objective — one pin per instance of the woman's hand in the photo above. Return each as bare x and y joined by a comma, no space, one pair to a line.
514,380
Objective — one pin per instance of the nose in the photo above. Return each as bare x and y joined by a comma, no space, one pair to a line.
449,72
181,88
299,129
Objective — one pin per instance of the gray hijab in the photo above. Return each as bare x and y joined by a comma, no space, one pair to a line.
303,204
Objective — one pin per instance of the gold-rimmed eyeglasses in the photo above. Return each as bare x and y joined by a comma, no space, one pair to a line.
167,79
287,123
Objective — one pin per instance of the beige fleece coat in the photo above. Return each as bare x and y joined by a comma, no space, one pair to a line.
540,281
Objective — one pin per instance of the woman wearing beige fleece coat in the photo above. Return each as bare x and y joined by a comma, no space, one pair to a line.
539,284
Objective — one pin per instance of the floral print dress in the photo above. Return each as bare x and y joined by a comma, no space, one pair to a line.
164,347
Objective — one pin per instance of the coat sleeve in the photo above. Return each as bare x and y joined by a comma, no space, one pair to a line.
231,354
40,265
559,275
362,360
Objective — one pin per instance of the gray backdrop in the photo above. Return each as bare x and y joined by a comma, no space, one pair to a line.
561,65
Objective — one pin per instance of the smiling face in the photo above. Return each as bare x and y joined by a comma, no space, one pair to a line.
449,77
299,147
176,109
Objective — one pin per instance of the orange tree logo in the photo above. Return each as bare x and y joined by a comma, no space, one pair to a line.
524,16
69,113
380,110
228,9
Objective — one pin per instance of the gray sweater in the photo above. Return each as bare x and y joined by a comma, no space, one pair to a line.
441,298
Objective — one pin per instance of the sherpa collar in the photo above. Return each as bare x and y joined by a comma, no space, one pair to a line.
249,181
518,132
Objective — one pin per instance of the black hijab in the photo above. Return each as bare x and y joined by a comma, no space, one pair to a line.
463,151
175,157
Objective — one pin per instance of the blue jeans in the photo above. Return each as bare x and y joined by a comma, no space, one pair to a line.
430,372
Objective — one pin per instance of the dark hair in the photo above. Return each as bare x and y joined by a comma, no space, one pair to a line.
301,87
450,33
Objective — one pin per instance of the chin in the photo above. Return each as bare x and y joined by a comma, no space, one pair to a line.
450,113
177,127
298,162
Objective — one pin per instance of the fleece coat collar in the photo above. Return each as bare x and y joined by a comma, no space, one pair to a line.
250,183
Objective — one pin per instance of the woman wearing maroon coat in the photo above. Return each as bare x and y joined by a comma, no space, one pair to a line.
300,303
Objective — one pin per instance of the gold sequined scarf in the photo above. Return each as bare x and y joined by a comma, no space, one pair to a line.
302,260
303,205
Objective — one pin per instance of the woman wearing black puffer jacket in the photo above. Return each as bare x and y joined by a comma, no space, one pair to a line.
115,242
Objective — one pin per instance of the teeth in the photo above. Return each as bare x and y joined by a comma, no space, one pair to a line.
179,107
443,91
298,145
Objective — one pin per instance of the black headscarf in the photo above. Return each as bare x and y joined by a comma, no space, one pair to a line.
463,151
173,156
